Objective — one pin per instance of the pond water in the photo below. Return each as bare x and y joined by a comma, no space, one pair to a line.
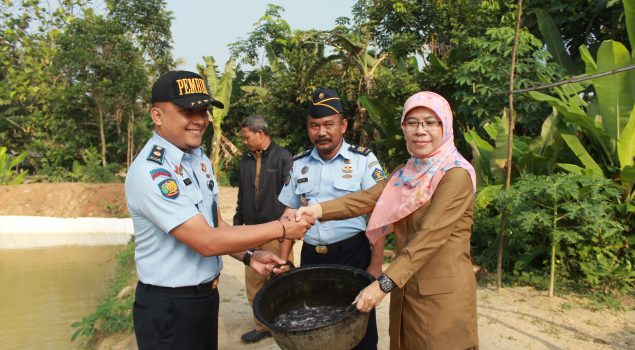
43,291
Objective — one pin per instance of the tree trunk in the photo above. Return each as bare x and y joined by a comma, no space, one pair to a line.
554,241
130,143
510,140
102,136
214,151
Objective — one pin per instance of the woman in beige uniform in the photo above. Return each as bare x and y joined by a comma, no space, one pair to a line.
428,204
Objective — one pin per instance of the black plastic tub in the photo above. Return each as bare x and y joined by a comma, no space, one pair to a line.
314,286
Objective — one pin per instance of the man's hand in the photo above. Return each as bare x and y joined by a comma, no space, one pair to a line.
369,298
296,229
313,210
264,261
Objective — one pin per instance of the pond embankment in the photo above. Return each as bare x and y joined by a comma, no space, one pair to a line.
23,232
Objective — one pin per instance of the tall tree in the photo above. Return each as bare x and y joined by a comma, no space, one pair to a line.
98,57
28,31
149,23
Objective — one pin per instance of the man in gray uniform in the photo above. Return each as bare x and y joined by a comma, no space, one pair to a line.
172,196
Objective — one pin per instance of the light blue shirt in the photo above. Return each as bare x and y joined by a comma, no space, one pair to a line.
317,180
165,187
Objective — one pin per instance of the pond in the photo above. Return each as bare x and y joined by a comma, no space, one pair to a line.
44,290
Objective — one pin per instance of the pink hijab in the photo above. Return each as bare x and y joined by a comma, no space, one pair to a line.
413,185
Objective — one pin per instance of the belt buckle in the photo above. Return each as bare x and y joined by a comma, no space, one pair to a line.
321,249
215,282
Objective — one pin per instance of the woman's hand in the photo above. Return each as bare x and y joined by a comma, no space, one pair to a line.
369,298
313,210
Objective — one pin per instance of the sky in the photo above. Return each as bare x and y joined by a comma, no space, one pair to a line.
204,28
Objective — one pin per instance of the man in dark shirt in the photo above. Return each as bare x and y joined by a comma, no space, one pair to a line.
262,171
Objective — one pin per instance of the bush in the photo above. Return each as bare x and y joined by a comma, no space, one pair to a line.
575,213
89,170
9,174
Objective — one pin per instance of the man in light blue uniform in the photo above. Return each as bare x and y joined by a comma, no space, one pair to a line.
172,196
332,169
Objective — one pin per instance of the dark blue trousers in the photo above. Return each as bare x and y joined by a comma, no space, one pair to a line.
177,320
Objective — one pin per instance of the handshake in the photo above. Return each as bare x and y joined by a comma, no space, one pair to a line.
296,224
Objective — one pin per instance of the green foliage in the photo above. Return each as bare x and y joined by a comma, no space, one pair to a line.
538,156
221,89
9,174
28,31
290,64
575,214
385,128
98,56
576,23
113,314
484,76
604,119
91,170
149,21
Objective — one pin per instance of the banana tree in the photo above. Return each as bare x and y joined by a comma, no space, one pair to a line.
9,172
530,156
221,90
353,49
606,122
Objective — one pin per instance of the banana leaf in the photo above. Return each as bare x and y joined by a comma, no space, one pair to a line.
256,90
481,153
613,91
499,154
626,142
590,67
629,15
578,149
575,115
553,40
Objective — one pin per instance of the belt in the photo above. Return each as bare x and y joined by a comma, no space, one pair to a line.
338,246
202,288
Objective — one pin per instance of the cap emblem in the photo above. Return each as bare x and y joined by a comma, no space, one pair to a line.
191,86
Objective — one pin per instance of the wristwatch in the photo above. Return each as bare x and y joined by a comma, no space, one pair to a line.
247,256
385,283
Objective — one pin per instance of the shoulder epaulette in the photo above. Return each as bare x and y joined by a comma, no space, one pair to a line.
360,150
302,154
156,154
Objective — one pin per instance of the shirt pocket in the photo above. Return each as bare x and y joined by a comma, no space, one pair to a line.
304,188
194,195
348,185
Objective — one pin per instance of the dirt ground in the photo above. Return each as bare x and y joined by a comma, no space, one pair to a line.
513,318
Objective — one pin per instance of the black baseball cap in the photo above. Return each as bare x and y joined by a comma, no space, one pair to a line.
324,103
183,88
